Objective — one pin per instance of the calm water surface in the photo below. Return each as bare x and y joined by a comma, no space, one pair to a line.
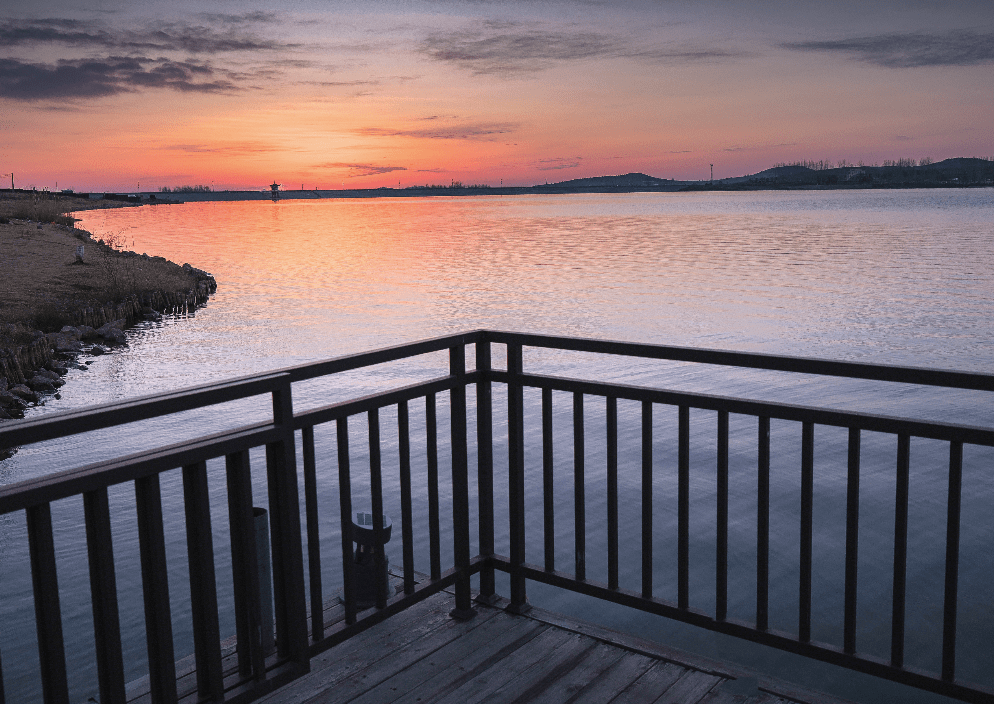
901,277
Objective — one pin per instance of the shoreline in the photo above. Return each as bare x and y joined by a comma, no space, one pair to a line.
64,294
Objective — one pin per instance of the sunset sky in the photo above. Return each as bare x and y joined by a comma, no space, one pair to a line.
328,94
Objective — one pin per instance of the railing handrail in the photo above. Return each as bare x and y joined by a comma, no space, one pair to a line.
977,381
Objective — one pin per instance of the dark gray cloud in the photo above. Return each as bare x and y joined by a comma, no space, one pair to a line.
558,163
230,149
512,48
357,170
229,36
95,78
909,50
482,131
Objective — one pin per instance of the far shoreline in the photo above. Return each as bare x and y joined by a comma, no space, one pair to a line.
137,198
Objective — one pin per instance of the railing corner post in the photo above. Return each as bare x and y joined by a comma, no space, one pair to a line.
460,481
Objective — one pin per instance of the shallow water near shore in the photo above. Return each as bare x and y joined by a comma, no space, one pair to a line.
898,277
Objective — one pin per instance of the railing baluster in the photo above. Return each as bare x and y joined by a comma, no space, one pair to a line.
721,556
435,543
485,466
516,477
313,534
612,492
647,499
48,614
763,527
579,498
460,482
345,510
155,585
406,512
683,508
376,489
244,566
103,593
852,544
952,561
548,482
286,539
900,550
807,516
203,585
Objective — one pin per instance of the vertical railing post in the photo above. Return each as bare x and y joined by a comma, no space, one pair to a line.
807,516
287,543
434,530
485,464
548,483
721,549
647,499
579,494
406,512
155,588
900,549
763,527
313,534
683,507
345,512
612,492
852,544
203,584
516,479
460,481
245,566
103,593
48,614
376,492
952,561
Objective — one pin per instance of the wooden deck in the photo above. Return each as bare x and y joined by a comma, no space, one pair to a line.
424,655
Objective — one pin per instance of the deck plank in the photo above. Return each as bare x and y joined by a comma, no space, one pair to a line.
521,670
335,664
451,631
600,658
457,663
614,680
689,689
656,680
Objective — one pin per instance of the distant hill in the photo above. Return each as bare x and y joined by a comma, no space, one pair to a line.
960,171
625,181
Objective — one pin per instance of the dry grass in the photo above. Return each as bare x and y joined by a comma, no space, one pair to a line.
42,285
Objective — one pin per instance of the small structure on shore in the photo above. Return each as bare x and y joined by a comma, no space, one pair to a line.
276,190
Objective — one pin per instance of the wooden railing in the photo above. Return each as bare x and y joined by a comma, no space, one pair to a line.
300,594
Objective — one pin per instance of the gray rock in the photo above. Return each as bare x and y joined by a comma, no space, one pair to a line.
64,344
118,324
98,350
8,400
24,392
115,336
86,332
40,383
70,331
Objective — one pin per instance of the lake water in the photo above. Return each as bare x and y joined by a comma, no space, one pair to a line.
898,277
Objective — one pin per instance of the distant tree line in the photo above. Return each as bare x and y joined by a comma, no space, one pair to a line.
186,189
454,184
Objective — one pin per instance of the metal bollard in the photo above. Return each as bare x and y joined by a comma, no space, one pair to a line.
370,573
266,620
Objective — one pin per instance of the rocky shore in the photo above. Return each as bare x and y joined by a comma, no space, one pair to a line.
45,322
